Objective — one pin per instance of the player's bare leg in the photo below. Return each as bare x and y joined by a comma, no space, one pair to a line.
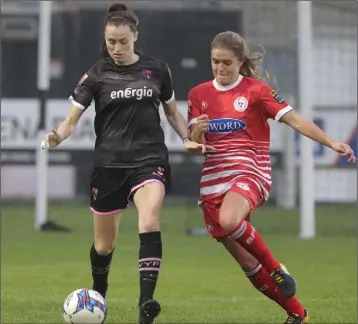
262,280
148,200
105,236
233,212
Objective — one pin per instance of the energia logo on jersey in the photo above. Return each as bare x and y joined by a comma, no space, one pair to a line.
128,93
226,125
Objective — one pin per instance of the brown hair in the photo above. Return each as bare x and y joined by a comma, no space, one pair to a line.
118,14
251,62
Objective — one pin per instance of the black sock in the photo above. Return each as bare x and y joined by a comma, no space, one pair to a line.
150,259
100,268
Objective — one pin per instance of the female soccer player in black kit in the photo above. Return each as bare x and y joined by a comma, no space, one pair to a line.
131,158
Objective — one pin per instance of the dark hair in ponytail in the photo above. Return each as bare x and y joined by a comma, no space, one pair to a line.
118,14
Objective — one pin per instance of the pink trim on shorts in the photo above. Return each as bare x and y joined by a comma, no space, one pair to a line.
144,183
117,211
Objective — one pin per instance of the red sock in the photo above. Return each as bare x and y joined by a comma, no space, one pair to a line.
252,242
263,282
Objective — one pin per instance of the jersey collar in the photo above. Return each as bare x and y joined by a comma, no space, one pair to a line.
113,63
220,87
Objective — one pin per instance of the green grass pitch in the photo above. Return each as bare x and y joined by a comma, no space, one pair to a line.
199,282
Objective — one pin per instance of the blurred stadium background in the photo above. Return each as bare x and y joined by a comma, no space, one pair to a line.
39,269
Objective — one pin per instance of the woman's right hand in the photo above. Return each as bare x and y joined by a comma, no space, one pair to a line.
202,123
51,140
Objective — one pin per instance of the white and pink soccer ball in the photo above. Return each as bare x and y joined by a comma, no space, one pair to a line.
84,306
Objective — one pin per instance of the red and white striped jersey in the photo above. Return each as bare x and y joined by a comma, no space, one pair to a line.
238,130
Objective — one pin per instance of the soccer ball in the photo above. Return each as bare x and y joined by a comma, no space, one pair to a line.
84,306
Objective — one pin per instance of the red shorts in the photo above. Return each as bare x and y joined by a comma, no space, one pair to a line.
247,189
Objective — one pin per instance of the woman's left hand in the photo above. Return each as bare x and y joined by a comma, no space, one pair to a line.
345,150
196,147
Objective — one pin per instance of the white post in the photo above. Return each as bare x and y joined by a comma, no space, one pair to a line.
43,84
41,200
44,46
305,75
288,189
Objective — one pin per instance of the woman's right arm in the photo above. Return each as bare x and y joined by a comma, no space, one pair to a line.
81,99
64,130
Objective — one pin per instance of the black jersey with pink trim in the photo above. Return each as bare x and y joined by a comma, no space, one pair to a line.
127,100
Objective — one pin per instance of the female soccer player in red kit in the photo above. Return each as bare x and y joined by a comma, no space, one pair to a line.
230,114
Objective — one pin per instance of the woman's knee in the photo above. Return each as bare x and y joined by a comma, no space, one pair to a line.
233,209
229,218
103,247
105,233
148,223
228,221
149,200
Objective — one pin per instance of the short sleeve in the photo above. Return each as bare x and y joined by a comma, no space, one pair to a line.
275,107
166,91
193,107
84,92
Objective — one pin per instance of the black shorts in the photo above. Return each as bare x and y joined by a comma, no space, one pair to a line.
112,189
